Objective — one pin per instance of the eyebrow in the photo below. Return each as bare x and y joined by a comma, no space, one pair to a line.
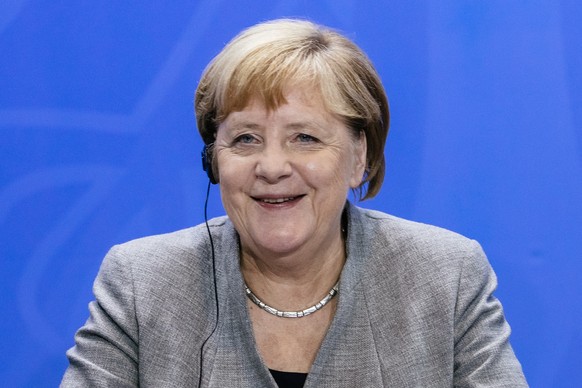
312,124
237,126
300,125
252,125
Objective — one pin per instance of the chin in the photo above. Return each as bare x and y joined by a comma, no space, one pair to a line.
280,243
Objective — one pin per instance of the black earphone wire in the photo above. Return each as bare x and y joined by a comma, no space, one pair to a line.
215,284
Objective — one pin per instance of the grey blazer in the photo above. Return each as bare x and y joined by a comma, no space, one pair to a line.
415,309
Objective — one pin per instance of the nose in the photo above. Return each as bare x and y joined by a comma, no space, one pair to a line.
273,164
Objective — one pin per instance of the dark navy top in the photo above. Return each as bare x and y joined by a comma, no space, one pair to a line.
288,379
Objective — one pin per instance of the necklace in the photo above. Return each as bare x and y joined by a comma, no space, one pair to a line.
293,314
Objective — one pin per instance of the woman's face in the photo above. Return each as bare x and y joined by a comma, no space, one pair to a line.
285,174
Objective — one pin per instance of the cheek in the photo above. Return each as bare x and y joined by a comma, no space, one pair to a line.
232,175
312,167
229,167
332,172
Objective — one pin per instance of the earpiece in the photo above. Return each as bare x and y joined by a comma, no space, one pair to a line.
207,162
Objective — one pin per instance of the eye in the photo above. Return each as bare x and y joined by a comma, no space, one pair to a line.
304,138
244,139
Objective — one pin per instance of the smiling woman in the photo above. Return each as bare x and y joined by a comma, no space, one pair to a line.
302,288
284,186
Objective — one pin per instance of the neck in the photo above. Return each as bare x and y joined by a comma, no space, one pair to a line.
294,280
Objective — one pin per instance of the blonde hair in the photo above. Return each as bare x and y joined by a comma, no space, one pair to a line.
263,60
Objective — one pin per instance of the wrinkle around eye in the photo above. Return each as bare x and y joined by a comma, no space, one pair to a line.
243,145
245,139
305,138
305,142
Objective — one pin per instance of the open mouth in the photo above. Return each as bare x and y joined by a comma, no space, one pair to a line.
278,201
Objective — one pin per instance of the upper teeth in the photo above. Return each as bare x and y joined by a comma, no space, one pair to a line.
278,200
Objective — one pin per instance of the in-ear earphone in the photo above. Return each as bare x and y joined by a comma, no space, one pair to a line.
207,162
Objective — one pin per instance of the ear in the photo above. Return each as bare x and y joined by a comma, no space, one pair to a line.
360,153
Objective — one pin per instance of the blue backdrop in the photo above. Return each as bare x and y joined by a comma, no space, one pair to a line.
98,145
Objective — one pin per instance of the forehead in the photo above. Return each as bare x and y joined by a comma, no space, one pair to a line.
298,107
240,95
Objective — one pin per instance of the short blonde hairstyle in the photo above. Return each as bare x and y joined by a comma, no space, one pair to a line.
263,60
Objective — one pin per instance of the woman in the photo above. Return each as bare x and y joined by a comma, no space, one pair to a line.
296,286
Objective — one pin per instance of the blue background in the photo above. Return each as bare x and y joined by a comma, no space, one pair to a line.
98,145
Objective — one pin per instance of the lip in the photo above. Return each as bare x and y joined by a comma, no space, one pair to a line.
277,201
